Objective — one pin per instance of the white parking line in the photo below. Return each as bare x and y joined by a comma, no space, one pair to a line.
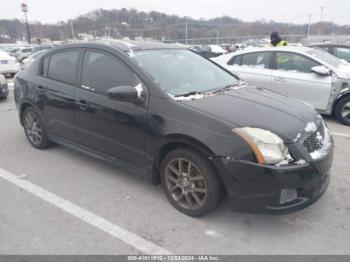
340,134
114,230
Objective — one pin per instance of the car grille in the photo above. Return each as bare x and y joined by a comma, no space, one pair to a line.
315,141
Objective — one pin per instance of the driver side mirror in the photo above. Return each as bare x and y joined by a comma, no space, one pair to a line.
132,94
321,70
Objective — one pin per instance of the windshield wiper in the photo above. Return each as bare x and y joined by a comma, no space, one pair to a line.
225,88
191,93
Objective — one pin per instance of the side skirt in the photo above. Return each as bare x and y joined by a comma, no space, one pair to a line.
139,172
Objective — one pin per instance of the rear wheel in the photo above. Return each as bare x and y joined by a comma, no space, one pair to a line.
34,129
190,182
342,111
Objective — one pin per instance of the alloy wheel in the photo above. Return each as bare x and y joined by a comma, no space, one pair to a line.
33,128
346,111
186,184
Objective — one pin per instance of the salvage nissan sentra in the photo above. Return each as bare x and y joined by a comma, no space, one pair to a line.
179,120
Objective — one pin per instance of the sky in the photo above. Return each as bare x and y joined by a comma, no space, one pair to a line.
290,11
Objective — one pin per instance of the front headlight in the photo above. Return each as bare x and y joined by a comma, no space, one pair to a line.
267,146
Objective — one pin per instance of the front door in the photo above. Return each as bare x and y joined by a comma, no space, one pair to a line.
111,127
293,77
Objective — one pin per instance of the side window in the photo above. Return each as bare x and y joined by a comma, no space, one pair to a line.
102,72
342,53
257,60
236,60
294,62
26,50
63,66
45,65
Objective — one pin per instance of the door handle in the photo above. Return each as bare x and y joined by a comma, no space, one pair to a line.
83,105
88,88
280,79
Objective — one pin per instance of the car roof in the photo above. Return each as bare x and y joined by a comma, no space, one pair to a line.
125,46
297,49
303,50
330,44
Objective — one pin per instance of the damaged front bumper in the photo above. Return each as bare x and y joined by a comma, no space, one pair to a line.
255,187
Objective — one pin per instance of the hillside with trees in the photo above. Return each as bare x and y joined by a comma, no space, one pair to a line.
133,23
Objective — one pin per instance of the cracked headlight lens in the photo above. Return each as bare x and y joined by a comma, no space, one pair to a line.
267,146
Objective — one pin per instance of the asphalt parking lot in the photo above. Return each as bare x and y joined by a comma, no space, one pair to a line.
70,203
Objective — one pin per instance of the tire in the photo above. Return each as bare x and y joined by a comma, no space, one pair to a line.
341,115
183,188
34,129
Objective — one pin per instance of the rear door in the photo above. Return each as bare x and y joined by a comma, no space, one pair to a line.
293,77
253,68
55,92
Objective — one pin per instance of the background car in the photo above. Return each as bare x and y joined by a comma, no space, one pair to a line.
23,53
8,64
342,51
209,51
4,91
27,61
13,51
309,74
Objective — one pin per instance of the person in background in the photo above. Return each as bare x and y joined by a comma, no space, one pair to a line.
276,40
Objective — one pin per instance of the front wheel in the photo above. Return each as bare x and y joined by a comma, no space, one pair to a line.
190,182
342,111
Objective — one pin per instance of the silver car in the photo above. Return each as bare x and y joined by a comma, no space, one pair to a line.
309,74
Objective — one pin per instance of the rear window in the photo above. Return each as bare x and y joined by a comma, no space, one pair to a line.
63,66
258,60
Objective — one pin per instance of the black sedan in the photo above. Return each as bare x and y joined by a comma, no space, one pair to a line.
180,120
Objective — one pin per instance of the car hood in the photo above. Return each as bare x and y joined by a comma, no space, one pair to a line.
260,108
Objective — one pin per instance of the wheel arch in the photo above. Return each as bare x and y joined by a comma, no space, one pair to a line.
174,141
343,95
23,107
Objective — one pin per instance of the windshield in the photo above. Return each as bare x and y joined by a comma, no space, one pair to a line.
325,57
182,71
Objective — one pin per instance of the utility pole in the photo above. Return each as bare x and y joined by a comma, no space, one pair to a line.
319,24
321,15
186,33
309,27
72,29
25,10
